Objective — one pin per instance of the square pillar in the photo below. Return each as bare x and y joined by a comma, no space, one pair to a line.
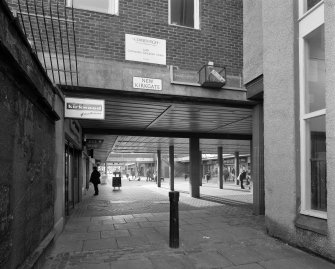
200,168
257,161
194,167
171,162
159,168
220,161
237,166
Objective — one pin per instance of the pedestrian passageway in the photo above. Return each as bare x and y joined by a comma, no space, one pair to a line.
129,228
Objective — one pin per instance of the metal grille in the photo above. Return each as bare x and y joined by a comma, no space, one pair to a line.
50,30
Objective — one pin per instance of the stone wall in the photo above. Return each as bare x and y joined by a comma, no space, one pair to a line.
27,142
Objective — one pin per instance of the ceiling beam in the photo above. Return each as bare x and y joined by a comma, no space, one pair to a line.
88,92
223,136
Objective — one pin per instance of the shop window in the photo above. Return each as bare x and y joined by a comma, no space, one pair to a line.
184,13
313,114
103,6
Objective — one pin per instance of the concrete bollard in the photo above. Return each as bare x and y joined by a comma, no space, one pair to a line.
174,219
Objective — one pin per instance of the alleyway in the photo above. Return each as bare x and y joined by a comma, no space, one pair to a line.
129,228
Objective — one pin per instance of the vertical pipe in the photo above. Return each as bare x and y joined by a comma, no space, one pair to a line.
23,25
47,35
75,45
68,44
54,39
31,27
171,161
61,42
40,35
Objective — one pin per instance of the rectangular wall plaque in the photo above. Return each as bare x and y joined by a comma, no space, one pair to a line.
78,108
145,49
147,83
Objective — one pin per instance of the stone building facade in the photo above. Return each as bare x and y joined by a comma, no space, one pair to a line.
289,66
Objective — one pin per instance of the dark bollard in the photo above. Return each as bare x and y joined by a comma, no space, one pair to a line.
174,219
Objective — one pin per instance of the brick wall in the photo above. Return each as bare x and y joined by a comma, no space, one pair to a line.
102,36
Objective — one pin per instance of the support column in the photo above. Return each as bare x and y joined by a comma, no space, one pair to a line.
200,168
220,161
171,161
106,172
237,166
194,167
257,160
159,168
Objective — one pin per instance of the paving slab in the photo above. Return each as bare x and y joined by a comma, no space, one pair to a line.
209,259
130,229
109,243
130,264
114,233
171,261
132,241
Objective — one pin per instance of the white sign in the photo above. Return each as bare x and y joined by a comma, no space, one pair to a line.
84,108
145,49
147,83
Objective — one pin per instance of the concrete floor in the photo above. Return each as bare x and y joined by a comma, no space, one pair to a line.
129,228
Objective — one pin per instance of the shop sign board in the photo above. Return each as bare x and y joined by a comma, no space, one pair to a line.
145,49
79,108
94,143
147,83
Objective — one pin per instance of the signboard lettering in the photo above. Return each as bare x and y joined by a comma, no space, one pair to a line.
84,108
147,83
145,49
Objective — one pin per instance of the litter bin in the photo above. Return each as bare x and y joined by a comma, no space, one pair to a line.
116,180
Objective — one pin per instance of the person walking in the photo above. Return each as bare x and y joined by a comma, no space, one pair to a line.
242,176
95,179
225,174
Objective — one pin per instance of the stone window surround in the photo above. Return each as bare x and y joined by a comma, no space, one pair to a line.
308,22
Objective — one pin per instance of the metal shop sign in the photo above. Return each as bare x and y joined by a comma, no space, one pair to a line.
84,108
145,49
147,83
94,143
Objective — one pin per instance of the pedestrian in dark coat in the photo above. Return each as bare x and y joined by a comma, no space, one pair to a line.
242,177
95,179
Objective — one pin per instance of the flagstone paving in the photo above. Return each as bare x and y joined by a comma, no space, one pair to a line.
130,229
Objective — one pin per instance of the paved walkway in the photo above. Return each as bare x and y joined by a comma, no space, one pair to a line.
130,229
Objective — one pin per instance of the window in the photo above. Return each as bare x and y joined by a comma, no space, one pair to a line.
311,3
313,113
103,6
184,13
306,5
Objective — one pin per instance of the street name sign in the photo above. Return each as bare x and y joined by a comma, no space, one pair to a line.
147,83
